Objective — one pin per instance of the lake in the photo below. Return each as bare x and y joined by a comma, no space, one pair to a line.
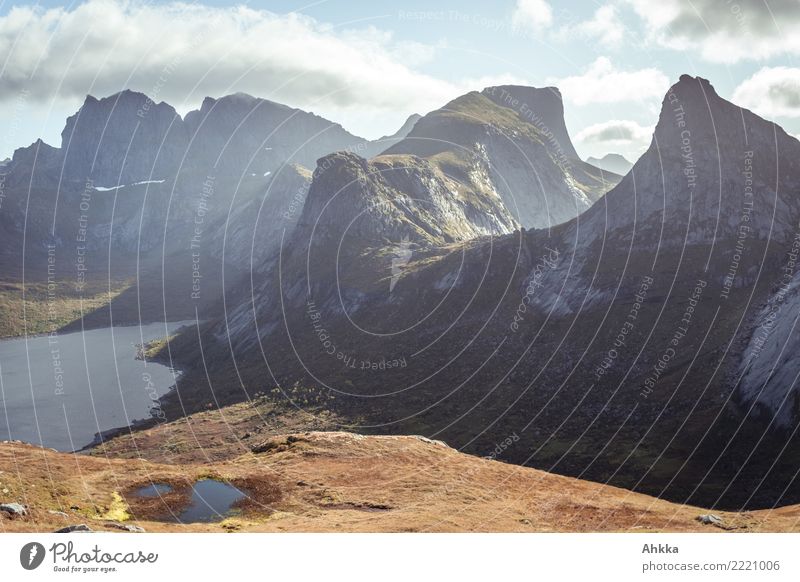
59,391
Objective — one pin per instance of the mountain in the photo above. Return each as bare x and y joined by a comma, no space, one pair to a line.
252,231
124,141
140,170
513,141
385,142
134,188
240,134
424,193
116,140
629,345
141,215
615,163
396,197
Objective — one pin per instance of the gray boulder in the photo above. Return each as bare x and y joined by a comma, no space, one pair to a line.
14,509
126,527
709,519
82,527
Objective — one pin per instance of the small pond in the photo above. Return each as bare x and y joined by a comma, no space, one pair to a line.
154,490
211,500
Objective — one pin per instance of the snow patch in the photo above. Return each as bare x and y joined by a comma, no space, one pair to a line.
119,187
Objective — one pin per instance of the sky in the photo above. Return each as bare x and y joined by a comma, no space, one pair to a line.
370,65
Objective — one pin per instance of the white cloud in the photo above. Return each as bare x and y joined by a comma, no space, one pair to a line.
724,32
605,26
532,15
617,132
604,83
618,136
771,92
180,52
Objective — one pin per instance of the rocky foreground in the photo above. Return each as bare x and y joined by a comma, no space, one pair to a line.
326,481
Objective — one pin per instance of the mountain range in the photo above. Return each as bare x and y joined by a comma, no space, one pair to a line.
635,343
468,278
134,185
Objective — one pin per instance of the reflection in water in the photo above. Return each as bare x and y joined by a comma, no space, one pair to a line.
211,501
153,490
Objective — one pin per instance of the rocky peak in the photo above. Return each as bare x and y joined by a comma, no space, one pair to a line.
527,157
541,107
711,166
343,192
241,133
32,165
118,113
392,198
26,155
123,138
232,109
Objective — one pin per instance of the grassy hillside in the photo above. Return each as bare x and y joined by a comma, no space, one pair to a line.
33,309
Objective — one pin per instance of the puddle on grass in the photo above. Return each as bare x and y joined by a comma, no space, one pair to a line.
210,501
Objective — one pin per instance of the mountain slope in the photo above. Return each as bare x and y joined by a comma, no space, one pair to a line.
375,147
127,148
364,217
520,135
612,345
157,203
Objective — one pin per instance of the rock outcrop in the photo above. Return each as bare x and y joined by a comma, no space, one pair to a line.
520,141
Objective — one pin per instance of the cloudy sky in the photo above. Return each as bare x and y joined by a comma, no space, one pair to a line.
370,65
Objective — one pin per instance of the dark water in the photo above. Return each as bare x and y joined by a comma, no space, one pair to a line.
211,500
154,490
59,391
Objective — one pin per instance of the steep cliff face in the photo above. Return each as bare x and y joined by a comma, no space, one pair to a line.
770,362
711,167
122,139
526,154
541,107
261,220
240,133
396,197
